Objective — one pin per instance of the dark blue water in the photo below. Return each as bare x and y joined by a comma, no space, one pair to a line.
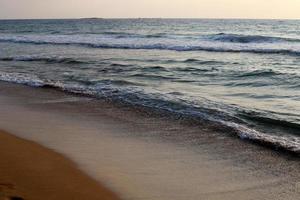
242,74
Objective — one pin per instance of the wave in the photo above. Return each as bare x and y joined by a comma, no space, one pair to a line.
115,34
179,109
116,82
133,35
120,65
43,59
221,37
203,62
272,121
194,69
263,73
237,38
153,76
288,143
154,69
154,44
20,78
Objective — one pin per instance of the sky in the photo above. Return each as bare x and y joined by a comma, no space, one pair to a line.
254,9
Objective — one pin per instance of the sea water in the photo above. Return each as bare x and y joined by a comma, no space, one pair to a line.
240,74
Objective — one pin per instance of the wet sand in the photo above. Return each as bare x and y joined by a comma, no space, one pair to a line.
142,155
30,171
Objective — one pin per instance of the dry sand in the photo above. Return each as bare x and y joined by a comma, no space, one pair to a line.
30,171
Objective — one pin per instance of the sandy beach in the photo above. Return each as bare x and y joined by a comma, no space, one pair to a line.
134,153
30,171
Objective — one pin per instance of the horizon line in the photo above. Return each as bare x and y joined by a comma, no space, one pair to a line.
76,18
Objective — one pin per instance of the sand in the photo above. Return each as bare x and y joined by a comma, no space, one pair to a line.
141,155
30,171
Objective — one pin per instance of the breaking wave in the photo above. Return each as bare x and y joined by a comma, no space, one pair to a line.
236,38
215,43
111,89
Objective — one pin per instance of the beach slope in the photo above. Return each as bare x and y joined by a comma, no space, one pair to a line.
30,171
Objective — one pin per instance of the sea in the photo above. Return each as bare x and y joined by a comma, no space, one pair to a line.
240,75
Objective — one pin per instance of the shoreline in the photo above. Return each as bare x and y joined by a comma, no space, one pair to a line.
235,129
31,171
140,155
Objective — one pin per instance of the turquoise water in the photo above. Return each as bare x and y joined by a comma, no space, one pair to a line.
242,74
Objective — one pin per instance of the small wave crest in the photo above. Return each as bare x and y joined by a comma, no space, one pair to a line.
236,38
194,69
289,143
262,73
118,35
43,59
289,122
204,62
20,78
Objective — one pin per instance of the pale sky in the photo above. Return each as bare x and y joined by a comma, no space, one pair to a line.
270,9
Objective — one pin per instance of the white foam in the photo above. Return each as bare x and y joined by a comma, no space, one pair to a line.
178,44
20,78
287,142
